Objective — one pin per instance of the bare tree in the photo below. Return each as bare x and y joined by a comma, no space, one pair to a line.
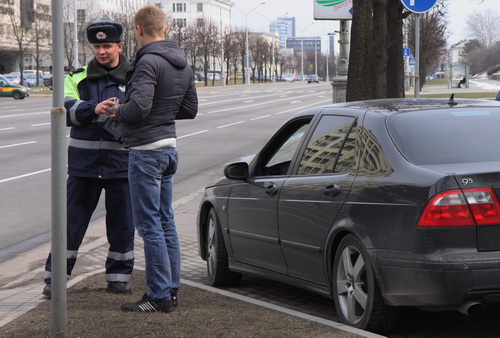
237,51
22,18
240,40
42,26
231,53
260,52
432,39
484,26
206,39
191,48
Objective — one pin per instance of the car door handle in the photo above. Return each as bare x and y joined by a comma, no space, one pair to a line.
332,190
271,189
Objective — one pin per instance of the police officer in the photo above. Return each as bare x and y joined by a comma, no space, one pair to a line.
95,160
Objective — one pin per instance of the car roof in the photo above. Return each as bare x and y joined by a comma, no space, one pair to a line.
392,106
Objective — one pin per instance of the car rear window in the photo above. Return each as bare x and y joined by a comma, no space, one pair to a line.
458,135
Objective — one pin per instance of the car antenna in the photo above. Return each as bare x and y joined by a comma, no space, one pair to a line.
451,101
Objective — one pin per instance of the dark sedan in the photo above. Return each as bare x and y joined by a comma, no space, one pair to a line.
376,204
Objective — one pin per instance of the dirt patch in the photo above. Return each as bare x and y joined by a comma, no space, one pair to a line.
93,312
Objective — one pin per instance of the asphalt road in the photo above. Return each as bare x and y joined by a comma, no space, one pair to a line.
232,122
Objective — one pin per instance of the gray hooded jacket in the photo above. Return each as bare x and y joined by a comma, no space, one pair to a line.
160,89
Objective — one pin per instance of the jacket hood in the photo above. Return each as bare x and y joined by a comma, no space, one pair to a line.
167,49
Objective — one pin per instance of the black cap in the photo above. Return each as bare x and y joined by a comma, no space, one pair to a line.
105,31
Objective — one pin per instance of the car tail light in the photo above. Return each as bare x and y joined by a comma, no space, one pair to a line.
468,207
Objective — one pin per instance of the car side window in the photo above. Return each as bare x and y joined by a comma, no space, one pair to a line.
278,155
3,83
331,147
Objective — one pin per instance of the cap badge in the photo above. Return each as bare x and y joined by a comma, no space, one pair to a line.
100,35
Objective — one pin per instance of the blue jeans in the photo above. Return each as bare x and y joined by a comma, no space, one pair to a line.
151,188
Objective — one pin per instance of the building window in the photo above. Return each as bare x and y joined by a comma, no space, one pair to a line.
199,7
80,15
200,22
179,7
180,23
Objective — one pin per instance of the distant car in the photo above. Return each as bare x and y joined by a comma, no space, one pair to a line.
210,76
31,79
198,76
15,78
313,78
7,88
375,204
288,77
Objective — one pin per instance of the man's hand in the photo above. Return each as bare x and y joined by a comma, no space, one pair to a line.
107,107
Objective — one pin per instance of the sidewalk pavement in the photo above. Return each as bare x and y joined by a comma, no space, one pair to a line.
21,282
489,87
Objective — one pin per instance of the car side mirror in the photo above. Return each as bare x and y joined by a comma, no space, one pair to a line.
237,171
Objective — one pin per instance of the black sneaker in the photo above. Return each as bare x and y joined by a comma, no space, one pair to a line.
47,290
119,287
148,304
173,298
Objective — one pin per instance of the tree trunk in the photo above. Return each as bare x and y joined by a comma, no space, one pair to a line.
395,61
360,85
379,48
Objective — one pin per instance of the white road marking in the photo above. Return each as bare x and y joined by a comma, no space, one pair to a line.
231,124
17,144
260,117
25,175
198,132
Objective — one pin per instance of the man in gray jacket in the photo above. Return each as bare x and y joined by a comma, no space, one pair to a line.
160,90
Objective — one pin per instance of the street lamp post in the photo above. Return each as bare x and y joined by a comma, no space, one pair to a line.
75,42
302,47
222,76
247,75
316,54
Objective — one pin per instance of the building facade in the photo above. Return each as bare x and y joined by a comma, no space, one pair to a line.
284,27
25,34
197,12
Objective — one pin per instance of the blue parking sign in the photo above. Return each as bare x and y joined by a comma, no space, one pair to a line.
419,6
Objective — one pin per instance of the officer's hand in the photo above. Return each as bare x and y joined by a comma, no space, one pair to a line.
106,107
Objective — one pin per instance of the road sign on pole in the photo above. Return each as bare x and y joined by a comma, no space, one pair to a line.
419,6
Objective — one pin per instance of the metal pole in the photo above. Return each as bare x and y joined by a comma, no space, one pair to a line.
273,79
58,177
316,57
246,61
75,41
247,76
417,56
302,56
222,76
302,47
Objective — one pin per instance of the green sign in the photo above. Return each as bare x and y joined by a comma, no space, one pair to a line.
332,9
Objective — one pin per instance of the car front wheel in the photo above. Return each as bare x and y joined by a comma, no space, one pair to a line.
17,96
357,297
217,257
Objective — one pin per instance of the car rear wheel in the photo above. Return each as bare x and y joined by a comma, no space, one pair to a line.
17,96
357,297
217,257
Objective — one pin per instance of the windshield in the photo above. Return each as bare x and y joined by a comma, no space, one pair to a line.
457,135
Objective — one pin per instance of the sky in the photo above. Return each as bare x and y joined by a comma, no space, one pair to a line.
302,10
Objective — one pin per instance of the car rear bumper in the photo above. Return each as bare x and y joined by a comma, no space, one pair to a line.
438,280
